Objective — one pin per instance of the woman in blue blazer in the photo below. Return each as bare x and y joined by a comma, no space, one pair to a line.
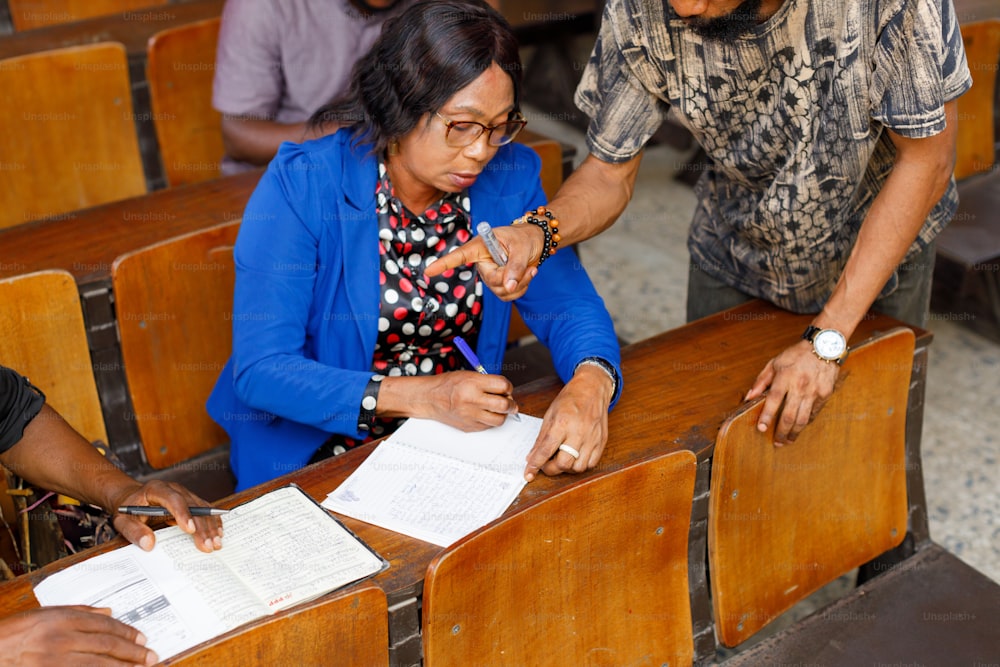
337,334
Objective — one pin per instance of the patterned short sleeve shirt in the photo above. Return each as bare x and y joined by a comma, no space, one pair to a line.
793,116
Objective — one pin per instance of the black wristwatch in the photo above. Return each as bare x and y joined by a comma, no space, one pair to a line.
828,344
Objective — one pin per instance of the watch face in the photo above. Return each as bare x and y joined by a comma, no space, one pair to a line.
829,344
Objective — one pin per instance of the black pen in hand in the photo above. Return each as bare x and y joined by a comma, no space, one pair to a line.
155,510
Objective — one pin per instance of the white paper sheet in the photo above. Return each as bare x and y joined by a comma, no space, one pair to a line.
437,483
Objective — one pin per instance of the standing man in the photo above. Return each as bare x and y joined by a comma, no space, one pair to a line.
831,131
280,60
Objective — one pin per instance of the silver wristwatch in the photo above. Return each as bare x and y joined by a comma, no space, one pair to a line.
828,344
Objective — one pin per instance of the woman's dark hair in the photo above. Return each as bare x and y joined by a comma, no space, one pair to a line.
422,57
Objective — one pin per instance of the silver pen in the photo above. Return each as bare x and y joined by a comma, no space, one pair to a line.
155,510
492,244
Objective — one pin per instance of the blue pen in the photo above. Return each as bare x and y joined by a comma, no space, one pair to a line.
473,360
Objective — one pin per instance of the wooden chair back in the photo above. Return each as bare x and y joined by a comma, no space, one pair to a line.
69,134
343,629
550,151
45,339
518,328
594,574
785,521
180,67
174,303
31,14
976,149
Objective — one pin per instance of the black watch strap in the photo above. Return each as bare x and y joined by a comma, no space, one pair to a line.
810,332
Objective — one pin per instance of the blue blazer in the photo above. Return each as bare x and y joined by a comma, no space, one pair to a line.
306,304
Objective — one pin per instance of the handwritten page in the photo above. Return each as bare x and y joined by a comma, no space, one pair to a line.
278,550
437,483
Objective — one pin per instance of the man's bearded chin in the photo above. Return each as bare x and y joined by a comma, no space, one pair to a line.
736,23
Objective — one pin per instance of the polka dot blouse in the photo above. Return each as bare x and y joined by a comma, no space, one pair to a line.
417,321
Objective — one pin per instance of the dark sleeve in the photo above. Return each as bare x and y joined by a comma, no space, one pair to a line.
20,402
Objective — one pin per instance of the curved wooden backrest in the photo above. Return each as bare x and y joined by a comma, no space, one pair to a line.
976,151
550,151
594,574
345,629
784,521
174,303
69,133
180,67
42,336
30,14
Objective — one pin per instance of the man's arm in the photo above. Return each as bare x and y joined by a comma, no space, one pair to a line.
257,140
55,457
920,177
593,197
249,83
588,202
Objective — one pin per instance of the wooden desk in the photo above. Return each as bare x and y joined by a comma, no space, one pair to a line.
679,386
132,29
86,242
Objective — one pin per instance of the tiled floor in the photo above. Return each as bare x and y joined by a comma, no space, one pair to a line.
645,254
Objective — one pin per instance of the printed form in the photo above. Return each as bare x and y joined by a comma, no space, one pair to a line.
279,550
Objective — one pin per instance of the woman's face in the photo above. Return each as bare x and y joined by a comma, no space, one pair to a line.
426,165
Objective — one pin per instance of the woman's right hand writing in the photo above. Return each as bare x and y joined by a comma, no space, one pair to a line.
465,400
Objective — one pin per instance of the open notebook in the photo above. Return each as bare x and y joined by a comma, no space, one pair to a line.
437,483
279,549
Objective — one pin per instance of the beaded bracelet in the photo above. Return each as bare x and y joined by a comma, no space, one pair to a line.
542,217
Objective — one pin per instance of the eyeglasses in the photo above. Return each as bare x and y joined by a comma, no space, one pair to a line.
461,133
